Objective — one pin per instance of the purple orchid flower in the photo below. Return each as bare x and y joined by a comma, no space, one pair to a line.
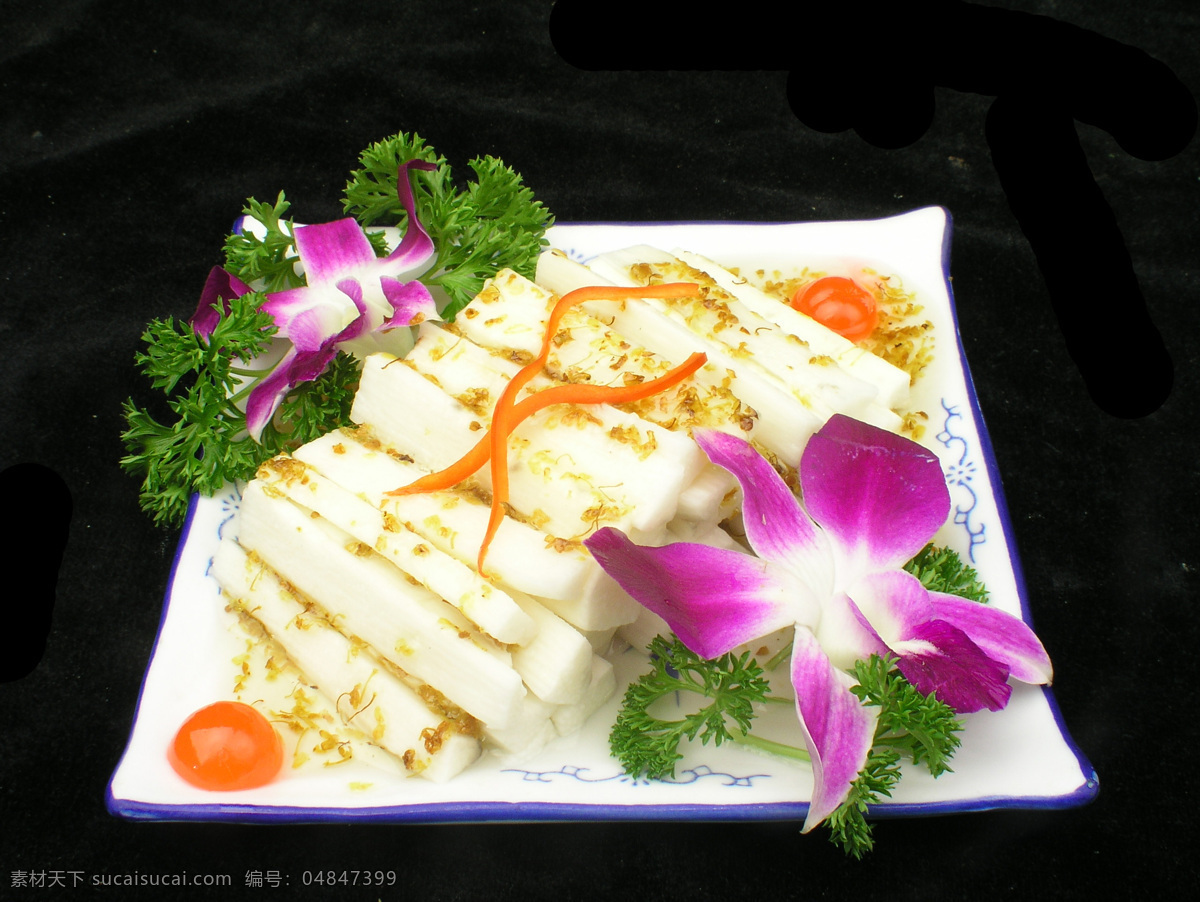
219,288
832,568
352,301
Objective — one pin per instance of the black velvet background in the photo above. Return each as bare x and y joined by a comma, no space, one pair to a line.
131,134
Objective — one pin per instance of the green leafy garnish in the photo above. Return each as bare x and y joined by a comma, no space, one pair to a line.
204,444
370,195
492,224
942,570
272,257
911,725
647,745
198,440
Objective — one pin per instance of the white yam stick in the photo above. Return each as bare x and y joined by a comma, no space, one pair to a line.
893,382
568,719
366,596
556,664
365,693
560,574
485,605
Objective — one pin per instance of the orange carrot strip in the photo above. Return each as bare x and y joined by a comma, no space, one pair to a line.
502,419
503,424
493,447
586,393
571,393
479,455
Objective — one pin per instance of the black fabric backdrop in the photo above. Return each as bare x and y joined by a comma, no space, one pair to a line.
133,132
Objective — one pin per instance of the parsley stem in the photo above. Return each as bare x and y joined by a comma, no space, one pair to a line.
242,371
779,657
781,749
231,402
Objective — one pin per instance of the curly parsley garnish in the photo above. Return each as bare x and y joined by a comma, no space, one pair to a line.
493,223
912,726
194,438
205,444
269,258
942,570
647,745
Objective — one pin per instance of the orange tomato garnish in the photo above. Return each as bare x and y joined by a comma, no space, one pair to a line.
226,746
839,304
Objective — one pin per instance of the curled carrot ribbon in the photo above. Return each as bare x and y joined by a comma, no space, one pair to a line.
509,413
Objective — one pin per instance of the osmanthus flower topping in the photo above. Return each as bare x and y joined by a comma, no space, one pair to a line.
832,566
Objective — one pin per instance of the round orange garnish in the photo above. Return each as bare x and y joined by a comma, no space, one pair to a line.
840,304
226,746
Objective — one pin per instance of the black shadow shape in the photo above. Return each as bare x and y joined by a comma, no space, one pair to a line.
39,510
1044,74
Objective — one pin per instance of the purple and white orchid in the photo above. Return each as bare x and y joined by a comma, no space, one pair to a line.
832,567
352,301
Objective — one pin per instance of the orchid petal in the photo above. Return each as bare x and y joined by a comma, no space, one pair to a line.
714,599
308,366
416,248
309,317
1001,636
879,496
268,394
332,250
934,655
310,352
846,635
838,729
776,526
893,602
356,327
940,659
294,367
411,302
219,288
284,305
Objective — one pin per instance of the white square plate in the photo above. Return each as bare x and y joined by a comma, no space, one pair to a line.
1021,757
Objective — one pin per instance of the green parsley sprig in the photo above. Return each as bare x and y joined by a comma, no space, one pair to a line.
493,223
647,745
943,570
911,727
205,444
269,259
199,441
